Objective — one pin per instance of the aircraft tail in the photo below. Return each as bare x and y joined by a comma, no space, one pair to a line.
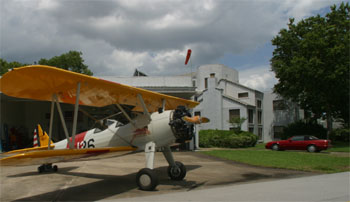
41,139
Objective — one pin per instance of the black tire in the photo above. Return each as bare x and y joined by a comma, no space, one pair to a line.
48,167
146,179
275,147
177,172
40,169
311,148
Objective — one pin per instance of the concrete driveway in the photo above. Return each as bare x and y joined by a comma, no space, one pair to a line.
114,178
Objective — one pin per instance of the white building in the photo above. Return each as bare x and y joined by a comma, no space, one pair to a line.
222,98
216,87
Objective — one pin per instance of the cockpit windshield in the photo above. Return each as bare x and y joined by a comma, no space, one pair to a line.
110,122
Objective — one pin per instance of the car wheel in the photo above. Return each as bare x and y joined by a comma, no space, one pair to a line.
275,147
311,148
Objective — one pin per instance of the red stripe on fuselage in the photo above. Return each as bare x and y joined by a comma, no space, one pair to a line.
78,138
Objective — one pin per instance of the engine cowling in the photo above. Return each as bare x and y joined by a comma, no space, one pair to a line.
182,130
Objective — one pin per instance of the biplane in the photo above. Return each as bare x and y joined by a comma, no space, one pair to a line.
155,121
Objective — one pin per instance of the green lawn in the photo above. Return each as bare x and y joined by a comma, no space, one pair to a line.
296,160
340,147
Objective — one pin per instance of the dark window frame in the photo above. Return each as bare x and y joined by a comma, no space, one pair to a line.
250,116
243,95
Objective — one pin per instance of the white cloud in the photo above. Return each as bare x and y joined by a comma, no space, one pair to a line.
117,36
260,78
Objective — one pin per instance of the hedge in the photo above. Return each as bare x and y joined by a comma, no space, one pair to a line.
226,139
340,135
301,128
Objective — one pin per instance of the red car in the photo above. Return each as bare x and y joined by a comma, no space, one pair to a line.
309,143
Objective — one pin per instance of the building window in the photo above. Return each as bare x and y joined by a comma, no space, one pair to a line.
212,75
258,104
197,113
206,83
251,129
279,105
243,95
193,83
250,116
260,133
259,117
234,113
277,132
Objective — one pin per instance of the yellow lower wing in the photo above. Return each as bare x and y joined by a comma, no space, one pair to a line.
39,156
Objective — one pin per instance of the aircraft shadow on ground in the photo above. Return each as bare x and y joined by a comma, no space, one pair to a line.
253,176
33,173
107,186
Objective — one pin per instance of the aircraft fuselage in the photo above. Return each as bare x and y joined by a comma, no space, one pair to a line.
138,134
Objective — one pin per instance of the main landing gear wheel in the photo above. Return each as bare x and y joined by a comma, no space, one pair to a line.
177,172
146,179
47,168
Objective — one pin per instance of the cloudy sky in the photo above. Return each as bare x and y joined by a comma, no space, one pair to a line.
118,36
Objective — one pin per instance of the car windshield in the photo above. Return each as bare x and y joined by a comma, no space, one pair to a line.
313,138
297,138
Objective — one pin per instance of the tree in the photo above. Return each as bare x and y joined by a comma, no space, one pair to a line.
311,62
70,61
5,66
237,122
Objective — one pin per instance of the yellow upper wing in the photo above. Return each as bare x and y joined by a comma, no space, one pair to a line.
40,82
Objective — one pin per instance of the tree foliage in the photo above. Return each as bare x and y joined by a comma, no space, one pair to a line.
70,61
5,66
237,122
311,62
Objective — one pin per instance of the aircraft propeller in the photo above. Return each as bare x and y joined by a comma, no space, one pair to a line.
195,119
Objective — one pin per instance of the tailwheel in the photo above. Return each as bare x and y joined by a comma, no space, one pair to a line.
47,168
41,169
146,179
55,168
177,172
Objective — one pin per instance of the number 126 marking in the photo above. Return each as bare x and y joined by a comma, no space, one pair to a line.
86,144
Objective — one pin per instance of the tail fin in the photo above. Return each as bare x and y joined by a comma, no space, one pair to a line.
40,137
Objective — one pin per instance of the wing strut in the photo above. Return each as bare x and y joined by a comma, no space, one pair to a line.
62,121
145,110
163,104
51,122
125,114
75,118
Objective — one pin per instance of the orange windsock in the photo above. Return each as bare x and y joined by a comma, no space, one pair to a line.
189,51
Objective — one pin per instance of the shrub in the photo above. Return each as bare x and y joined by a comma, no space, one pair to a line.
226,139
301,128
341,135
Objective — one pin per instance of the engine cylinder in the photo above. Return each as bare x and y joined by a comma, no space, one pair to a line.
183,131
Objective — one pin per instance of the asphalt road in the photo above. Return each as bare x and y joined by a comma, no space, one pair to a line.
114,178
329,187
